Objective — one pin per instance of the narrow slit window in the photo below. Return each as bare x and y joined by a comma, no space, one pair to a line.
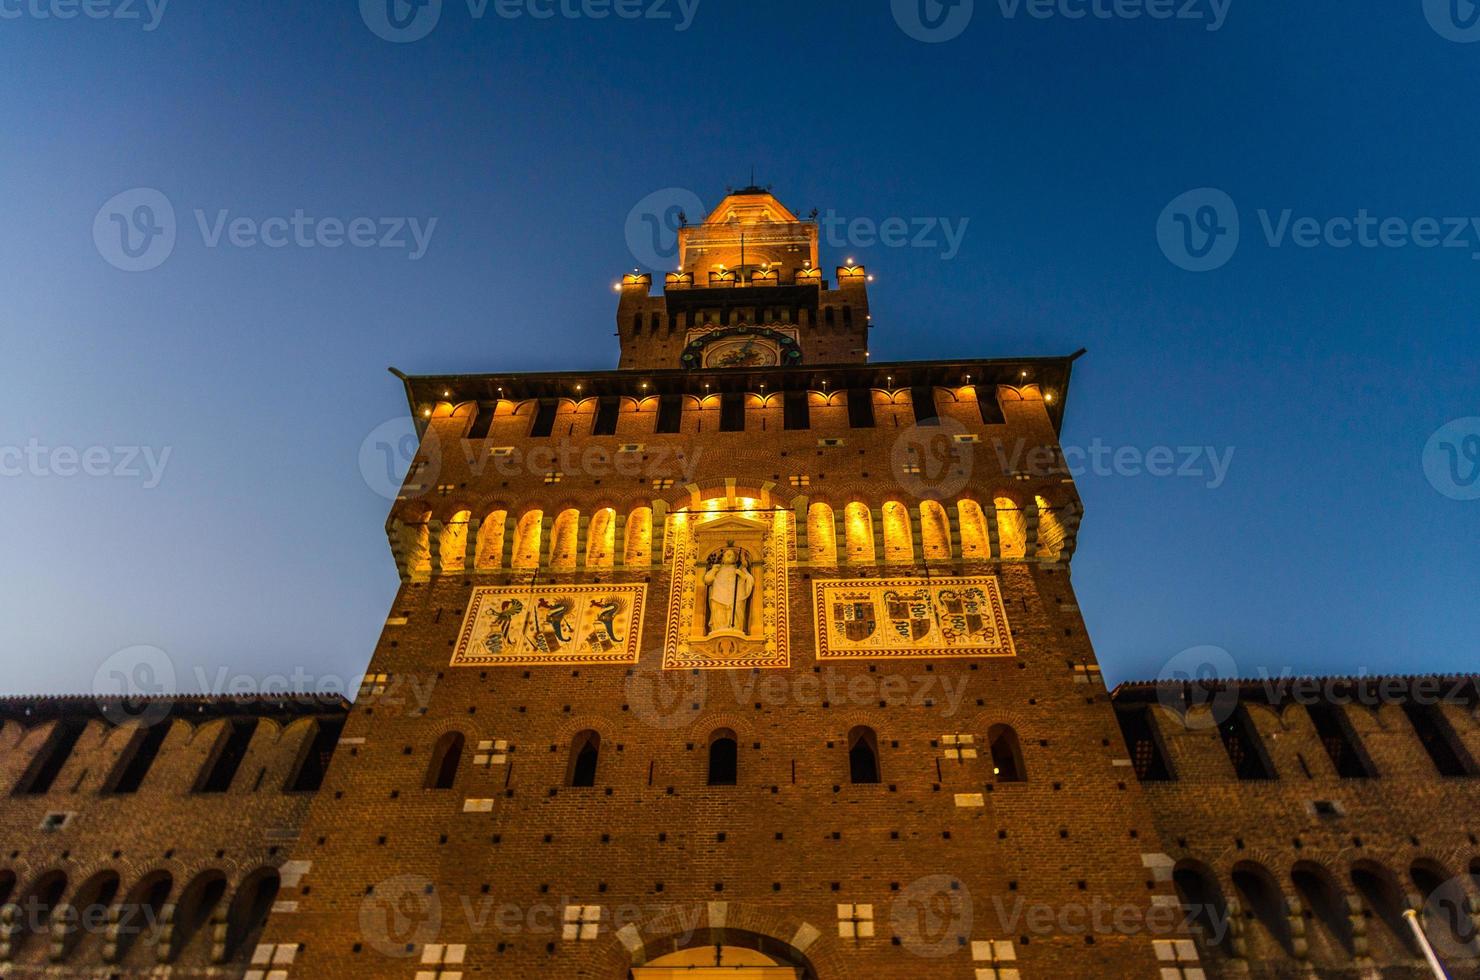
798,413
670,414
732,412
606,417
861,408
544,419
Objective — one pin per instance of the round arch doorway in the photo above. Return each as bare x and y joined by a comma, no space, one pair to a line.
716,963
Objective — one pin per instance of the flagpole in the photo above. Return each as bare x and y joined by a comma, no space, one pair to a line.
1423,941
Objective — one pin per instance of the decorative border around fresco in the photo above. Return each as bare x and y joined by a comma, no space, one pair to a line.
785,553
824,628
637,591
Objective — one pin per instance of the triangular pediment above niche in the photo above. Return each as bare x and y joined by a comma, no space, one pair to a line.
730,521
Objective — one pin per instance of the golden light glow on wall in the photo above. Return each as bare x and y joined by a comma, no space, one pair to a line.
417,541
898,541
638,548
975,544
490,552
601,536
935,532
822,535
453,546
527,535
1012,529
1050,530
563,538
858,534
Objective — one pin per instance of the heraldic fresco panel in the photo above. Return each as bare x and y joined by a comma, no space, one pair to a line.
551,624
728,600
911,617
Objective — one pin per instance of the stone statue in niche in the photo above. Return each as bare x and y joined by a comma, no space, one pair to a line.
730,586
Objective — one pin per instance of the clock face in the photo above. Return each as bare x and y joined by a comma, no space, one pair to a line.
747,352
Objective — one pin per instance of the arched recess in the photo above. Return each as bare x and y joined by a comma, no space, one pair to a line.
490,552
637,550
822,535
863,755
899,539
453,544
1050,529
248,913
139,937
194,910
446,757
1012,528
1205,907
1328,929
1266,918
1006,751
601,538
858,533
527,535
564,535
39,904
1383,902
721,954
1445,917
416,540
90,905
975,543
724,758
585,756
935,532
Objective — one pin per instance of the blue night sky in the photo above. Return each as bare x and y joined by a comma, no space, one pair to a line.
1059,141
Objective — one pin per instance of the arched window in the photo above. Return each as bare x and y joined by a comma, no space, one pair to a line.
1206,910
863,755
724,758
40,904
1383,904
248,913
91,902
196,907
1328,926
446,756
1007,755
822,542
584,751
1445,916
1265,912
147,899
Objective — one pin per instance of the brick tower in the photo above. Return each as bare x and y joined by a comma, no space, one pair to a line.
753,658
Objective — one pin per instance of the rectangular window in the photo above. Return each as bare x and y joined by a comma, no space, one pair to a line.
544,419
732,412
482,422
1340,741
48,762
315,762
670,414
798,412
231,749
137,757
1438,739
1245,748
1144,745
606,416
990,407
923,400
861,408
